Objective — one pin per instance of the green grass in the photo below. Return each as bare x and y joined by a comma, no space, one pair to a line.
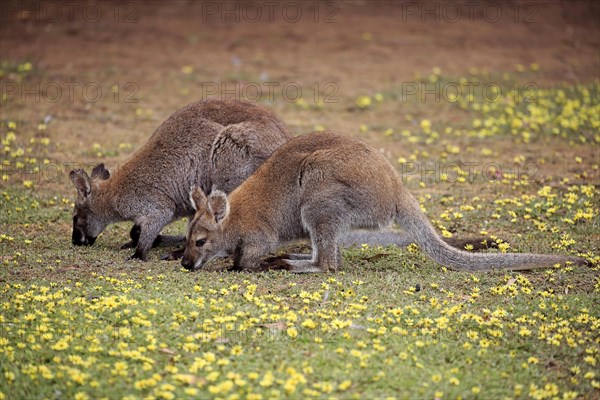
84,323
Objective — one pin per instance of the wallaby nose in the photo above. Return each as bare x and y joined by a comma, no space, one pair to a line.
185,263
79,241
83,240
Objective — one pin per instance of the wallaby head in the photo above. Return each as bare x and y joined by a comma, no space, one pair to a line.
205,233
87,222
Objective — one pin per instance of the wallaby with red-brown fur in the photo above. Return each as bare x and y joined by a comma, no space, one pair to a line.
207,143
321,185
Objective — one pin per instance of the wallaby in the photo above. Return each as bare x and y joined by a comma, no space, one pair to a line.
211,144
207,143
321,185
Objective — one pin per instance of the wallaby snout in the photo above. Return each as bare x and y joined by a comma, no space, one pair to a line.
187,263
79,239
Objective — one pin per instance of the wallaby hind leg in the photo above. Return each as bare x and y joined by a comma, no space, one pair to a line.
323,228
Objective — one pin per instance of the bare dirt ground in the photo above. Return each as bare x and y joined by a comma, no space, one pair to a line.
163,55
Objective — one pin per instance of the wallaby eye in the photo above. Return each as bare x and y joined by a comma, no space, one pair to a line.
200,242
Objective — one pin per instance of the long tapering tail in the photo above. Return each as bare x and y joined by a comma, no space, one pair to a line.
412,220
392,237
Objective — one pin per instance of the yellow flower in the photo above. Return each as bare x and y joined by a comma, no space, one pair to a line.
309,323
223,387
267,379
363,101
213,376
292,332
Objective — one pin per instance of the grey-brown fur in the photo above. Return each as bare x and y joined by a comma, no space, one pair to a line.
322,185
208,144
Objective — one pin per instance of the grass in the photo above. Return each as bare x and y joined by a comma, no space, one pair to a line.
83,323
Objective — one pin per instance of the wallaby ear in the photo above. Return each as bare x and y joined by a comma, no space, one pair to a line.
81,180
198,199
219,205
101,172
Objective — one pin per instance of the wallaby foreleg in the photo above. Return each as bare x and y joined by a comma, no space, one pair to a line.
161,240
248,255
150,227
134,234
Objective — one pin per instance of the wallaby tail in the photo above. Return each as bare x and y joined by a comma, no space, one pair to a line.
392,237
412,220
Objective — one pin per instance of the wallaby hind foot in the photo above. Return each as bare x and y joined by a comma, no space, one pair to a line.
297,263
303,264
174,255
291,256
303,267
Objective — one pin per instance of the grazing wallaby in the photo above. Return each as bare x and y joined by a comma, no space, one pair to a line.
208,144
321,185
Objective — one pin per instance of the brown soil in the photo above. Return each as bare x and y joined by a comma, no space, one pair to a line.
357,47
